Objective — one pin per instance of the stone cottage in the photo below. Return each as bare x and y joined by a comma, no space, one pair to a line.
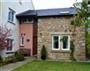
50,26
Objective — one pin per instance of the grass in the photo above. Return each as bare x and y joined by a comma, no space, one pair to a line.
54,66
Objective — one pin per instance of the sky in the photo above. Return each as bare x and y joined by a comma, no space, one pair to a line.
47,4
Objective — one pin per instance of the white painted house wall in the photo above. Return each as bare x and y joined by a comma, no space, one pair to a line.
18,6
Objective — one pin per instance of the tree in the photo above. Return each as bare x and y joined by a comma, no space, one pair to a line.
81,18
4,34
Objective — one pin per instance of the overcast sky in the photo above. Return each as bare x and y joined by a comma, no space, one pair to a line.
46,4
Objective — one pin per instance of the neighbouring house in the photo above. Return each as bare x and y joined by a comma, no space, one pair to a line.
8,11
48,27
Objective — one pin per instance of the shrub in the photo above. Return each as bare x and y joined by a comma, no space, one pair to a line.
24,51
43,53
0,59
19,56
72,47
9,59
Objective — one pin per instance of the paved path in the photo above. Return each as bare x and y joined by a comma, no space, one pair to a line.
12,66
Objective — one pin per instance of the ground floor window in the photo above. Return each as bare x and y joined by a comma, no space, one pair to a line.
9,44
60,42
22,39
65,40
55,42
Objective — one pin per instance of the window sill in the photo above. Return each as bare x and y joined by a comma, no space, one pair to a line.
60,51
11,22
10,52
21,45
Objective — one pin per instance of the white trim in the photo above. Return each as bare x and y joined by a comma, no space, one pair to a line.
61,33
60,43
22,40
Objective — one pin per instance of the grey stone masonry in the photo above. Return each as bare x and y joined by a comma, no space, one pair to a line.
47,26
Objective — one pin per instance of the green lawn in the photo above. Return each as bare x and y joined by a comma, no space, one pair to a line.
54,66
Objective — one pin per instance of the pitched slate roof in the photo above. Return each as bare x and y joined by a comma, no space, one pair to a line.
56,12
49,12
27,13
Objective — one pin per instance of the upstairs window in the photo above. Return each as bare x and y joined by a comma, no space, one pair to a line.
27,20
11,14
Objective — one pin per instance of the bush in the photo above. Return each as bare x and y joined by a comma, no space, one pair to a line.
19,56
9,59
72,47
0,59
24,51
43,53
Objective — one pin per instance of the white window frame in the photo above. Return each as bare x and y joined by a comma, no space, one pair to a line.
11,15
10,44
60,43
68,47
53,42
22,40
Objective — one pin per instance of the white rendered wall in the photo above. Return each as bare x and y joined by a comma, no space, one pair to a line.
18,7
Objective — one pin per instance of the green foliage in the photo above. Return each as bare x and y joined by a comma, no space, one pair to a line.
64,39
0,59
72,48
19,56
88,43
43,53
9,59
82,14
81,18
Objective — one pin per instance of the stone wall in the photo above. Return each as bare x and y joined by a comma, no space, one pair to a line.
49,25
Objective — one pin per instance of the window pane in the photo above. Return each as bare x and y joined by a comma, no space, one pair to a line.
9,43
65,42
22,40
11,15
55,42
